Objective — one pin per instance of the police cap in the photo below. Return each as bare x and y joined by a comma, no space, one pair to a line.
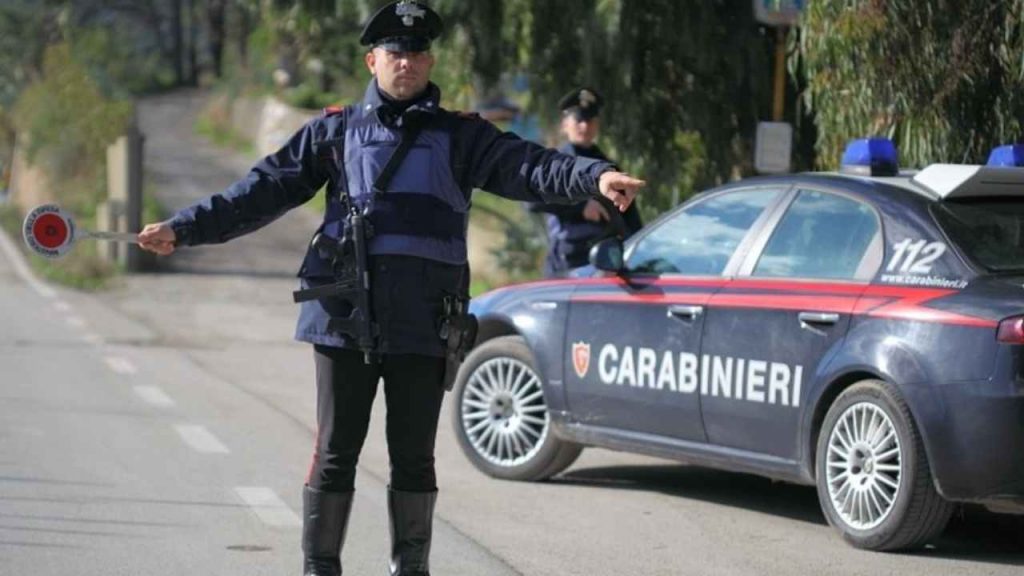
581,103
405,26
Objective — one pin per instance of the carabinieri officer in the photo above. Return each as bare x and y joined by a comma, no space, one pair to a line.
418,210
574,229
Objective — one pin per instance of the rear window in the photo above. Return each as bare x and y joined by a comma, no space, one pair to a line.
989,231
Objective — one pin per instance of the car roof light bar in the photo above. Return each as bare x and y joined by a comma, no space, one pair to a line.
870,157
1009,155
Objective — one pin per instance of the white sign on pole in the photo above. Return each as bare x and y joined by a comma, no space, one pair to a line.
773,147
778,12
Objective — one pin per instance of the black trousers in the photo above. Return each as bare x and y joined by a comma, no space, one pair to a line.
346,387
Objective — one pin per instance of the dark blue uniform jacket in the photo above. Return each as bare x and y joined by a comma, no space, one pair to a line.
406,290
570,235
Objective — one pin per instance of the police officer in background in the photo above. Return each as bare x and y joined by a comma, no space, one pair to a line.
417,207
573,229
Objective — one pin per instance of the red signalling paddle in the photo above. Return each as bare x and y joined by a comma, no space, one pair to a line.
51,232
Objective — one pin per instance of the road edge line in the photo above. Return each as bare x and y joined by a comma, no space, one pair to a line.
21,267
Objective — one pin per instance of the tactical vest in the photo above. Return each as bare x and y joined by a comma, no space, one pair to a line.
419,223
424,212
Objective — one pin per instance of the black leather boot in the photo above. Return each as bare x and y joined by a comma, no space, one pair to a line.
411,515
325,518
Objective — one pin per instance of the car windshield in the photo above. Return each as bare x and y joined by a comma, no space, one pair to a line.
990,231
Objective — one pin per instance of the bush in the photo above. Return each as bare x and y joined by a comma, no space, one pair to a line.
66,115
68,124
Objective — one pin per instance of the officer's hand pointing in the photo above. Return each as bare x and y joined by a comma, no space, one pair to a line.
158,238
620,188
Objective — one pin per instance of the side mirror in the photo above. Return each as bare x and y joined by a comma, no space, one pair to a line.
607,255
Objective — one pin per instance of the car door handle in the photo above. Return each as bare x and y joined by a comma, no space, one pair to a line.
685,312
818,318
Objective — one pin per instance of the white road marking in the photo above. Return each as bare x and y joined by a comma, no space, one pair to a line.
120,365
200,439
22,269
61,306
154,395
268,506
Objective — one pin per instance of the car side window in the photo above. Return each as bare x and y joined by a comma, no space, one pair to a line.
822,235
701,238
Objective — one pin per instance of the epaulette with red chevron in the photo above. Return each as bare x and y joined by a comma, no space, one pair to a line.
332,110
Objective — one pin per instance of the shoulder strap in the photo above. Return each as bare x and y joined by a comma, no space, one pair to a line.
409,135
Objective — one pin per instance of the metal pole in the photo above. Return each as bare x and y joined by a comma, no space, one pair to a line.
780,73
134,155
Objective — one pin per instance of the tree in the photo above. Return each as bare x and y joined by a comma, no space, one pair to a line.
142,43
215,17
686,82
177,42
27,27
479,30
944,79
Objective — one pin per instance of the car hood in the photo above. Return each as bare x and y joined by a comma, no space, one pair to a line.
515,295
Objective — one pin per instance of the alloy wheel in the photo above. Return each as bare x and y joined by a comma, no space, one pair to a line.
864,466
503,411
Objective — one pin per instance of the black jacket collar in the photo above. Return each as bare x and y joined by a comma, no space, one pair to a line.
390,115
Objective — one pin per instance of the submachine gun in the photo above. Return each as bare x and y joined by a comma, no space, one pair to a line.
349,261
352,282
349,254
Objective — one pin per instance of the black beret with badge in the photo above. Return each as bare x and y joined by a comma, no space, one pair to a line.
405,26
581,103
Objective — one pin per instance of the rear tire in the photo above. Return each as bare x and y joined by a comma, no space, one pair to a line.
873,479
501,417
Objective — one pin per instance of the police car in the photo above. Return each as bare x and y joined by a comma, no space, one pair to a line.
861,331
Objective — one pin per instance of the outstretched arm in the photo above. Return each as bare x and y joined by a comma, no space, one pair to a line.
277,183
504,164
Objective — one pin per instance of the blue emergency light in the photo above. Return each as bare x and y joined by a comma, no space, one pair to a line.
870,157
1009,155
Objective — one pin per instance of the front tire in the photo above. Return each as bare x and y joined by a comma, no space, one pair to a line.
500,415
873,479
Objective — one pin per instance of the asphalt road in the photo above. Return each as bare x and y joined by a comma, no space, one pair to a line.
165,427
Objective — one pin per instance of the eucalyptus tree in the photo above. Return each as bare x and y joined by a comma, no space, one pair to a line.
943,78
